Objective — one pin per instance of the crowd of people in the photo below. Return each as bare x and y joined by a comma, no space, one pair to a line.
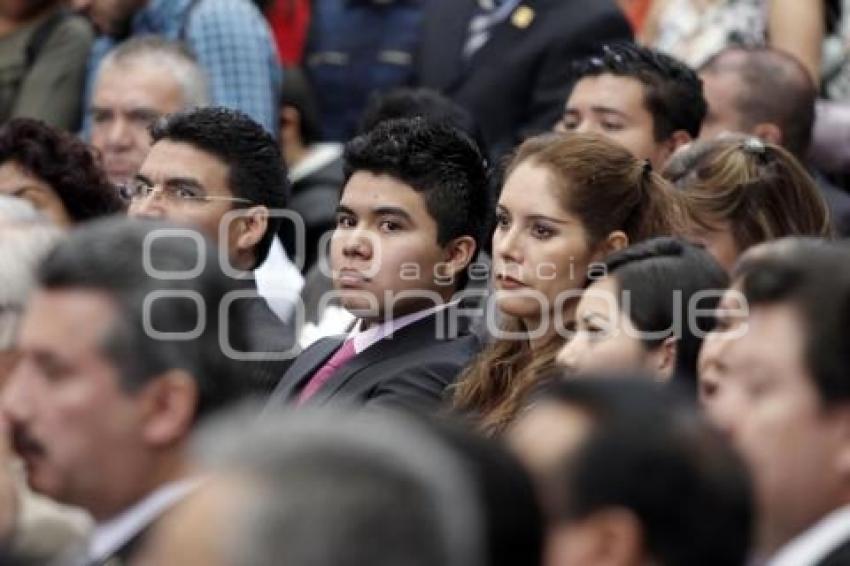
392,283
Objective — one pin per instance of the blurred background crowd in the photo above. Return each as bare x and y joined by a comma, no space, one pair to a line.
425,282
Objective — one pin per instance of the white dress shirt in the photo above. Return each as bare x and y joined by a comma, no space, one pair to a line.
815,544
111,535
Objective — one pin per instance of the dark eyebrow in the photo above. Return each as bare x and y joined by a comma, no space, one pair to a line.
547,218
184,181
342,209
141,178
391,211
607,110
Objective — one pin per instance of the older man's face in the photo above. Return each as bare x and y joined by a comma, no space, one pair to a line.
75,427
127,99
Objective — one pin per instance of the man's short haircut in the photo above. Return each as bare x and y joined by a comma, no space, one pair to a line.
164,55
420,102
64,163
434,159
380,491
654,456
813,277
256,171
776,88
25,238
118,257
672,90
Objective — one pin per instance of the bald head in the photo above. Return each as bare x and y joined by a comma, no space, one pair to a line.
759,91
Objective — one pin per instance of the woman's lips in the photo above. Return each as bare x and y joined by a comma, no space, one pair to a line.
508,282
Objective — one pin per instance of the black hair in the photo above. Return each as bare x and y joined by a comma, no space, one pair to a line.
764,72
65,163
116,256
648,453
813,276
256,171
514,526
672,90
663,277
434,159
298,94
423,102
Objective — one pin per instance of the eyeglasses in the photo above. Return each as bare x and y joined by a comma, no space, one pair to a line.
137,190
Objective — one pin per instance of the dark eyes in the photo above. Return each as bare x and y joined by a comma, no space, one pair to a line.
345,221
541,232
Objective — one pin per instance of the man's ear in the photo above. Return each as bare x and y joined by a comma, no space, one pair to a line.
251,227
169,406
677,139
842,456
769,132
458,254
662,360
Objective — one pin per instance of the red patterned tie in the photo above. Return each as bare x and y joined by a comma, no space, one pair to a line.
339,359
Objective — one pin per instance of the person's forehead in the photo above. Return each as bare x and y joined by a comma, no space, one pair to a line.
168,160
766,327
138,84
366,192
66,319
617,91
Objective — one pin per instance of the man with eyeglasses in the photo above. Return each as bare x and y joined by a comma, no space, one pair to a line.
217,169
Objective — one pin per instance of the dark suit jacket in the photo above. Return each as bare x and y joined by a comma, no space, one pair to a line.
410,369
264,332
517,83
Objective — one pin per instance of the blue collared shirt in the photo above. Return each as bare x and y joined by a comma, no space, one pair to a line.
231,40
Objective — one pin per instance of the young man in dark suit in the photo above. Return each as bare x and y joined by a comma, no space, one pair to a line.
409,223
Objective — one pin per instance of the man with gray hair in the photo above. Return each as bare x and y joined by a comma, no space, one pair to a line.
301,490
33,529
119,356
139,81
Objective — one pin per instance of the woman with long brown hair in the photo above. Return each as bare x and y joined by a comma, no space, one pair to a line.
568,201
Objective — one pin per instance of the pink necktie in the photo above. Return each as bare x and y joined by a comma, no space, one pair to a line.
339,359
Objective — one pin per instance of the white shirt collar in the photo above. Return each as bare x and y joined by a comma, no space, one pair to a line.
815,544
365,338
111,535
318,156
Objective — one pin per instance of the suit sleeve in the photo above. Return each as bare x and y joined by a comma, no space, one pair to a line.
554,79
419,388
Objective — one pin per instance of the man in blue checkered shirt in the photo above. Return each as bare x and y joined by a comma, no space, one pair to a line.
230,38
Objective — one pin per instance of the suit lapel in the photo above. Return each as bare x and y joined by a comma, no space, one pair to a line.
406,339
507,35
451,22
303,368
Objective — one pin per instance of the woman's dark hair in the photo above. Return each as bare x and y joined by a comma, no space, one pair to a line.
63,162
667,282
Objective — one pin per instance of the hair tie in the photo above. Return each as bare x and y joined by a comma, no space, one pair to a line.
754,145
